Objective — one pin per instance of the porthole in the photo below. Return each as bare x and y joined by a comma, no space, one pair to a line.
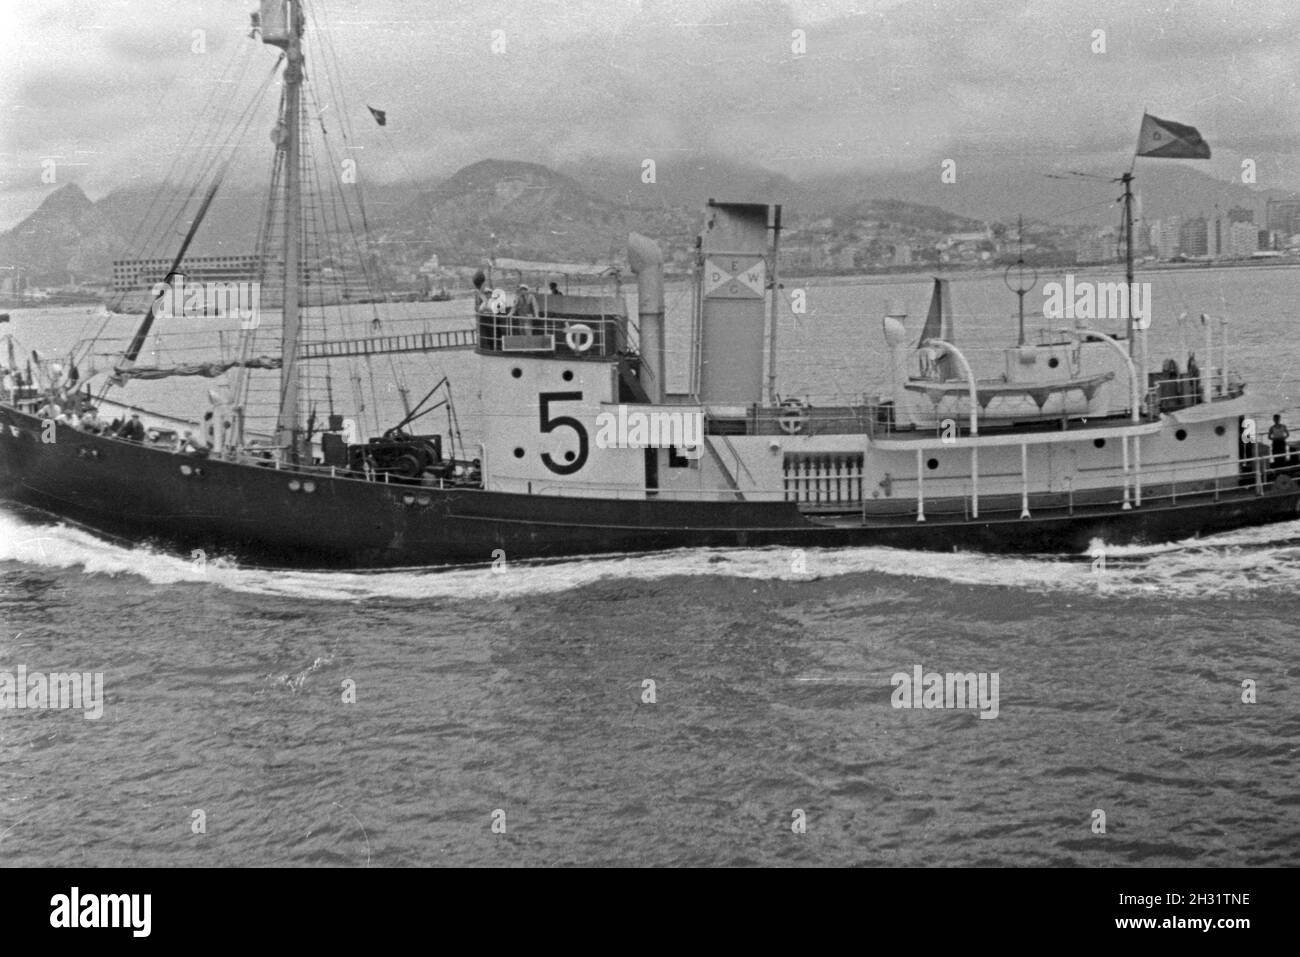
423,500
295,485
1098,443
567,375
1053,362
516,372
1219,430
519,453
408,499
1180,434
932,464
309,486
186,470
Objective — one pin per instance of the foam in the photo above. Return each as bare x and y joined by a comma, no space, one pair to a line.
1235,564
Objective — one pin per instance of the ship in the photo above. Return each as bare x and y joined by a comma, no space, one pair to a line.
598,439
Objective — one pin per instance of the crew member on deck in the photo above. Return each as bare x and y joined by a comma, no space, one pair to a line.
483,307
481,293
525,305
1193,379
133,430
1278,435
525,302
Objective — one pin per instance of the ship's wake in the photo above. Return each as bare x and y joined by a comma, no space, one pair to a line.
1243,563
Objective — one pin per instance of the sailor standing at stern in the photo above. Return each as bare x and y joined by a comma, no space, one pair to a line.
1278,434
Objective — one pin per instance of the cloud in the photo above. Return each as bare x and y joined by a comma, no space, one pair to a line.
882,85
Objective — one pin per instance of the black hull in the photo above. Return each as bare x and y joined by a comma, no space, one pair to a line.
251,513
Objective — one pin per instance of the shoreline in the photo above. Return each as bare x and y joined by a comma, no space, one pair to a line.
917,276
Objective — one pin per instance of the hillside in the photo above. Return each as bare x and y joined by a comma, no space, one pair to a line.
66,239
514,209
584,212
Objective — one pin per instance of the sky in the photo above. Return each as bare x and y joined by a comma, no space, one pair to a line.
113,92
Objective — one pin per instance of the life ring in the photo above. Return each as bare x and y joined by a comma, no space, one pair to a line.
579,337
793,417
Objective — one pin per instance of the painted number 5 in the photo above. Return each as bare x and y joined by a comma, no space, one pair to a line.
572,463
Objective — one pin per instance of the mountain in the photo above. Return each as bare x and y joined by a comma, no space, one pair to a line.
584,211
67,237
143,215
515,209
1001,190
686,183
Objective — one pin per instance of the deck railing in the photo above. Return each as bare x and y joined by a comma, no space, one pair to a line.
1107,488
588,337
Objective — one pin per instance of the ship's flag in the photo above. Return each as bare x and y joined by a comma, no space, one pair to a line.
381,117
1169,140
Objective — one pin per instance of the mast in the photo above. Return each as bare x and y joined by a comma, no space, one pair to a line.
142,334
286,422
1020,289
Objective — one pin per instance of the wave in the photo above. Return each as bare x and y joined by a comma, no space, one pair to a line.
1242,563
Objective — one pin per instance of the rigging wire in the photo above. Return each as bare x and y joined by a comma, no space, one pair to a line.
214,168
189,152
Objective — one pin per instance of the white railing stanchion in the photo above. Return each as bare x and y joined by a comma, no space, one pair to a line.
1123,444
1137,471
920,493
1024,480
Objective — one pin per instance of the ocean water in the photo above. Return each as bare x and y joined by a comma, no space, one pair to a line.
504,717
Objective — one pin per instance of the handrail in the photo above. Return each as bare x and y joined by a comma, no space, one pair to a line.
974,418
972,389
608,335
1135,388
